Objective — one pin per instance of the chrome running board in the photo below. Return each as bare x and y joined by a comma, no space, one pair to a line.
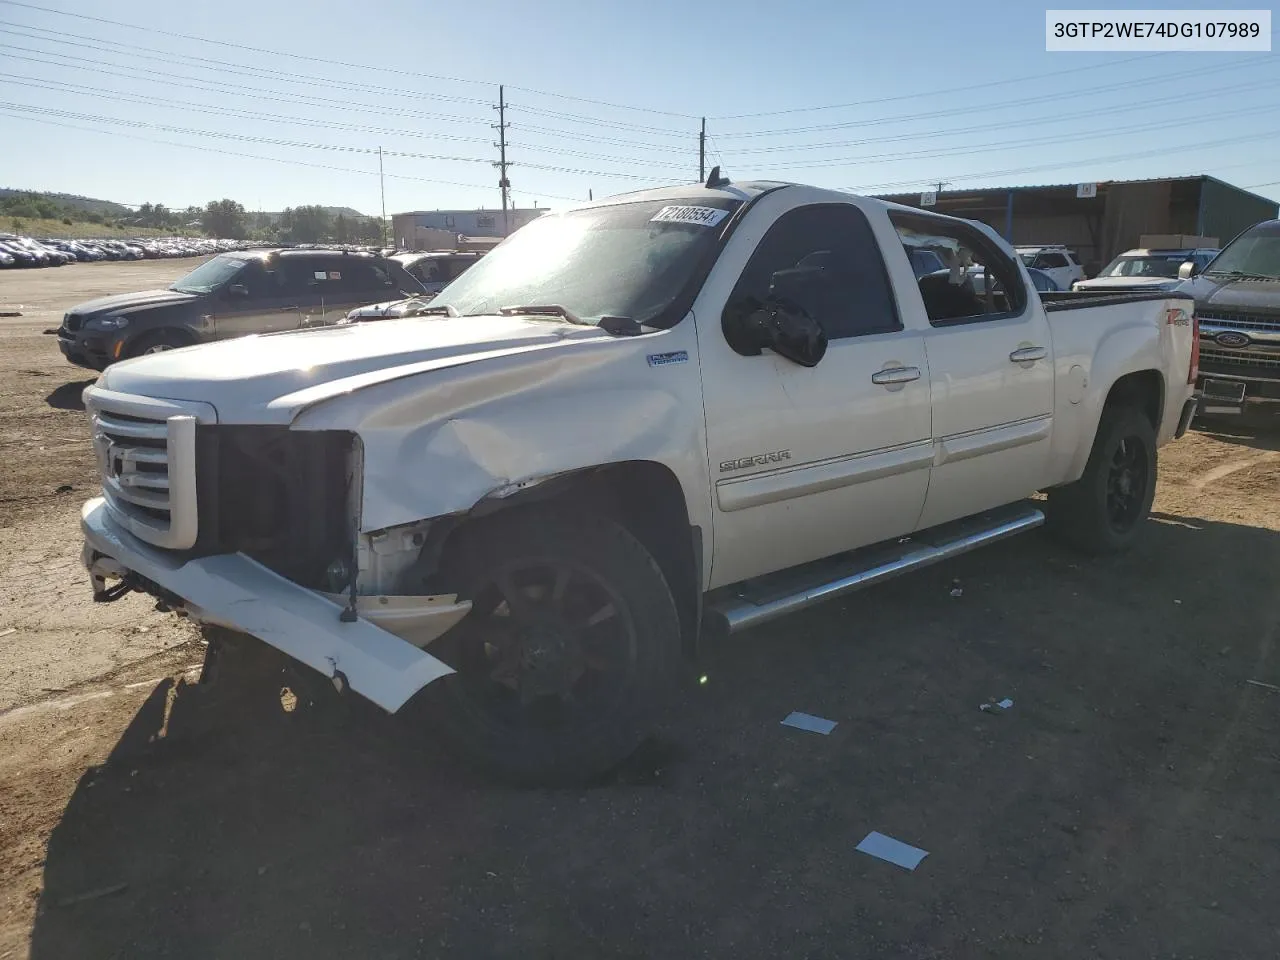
753,602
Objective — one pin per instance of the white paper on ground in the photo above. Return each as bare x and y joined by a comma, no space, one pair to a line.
807,721
895,851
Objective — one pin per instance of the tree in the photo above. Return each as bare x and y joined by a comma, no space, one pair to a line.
307,224
225,219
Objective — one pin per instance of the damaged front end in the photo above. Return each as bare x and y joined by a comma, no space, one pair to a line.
257,528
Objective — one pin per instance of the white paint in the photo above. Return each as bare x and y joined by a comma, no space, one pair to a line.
454,412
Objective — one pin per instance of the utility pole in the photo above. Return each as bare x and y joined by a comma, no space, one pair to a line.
382,184
702,153
940,184
504,184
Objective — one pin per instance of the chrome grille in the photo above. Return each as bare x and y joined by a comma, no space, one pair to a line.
1240,359
146,457
1241,321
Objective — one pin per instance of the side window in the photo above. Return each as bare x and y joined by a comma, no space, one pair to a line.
305,276
367,276
458,267
978,282
431,270
825,259
257,280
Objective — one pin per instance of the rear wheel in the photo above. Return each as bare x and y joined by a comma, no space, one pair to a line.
1103,511
567,653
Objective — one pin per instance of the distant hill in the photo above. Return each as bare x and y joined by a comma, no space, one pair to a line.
109,208
106,208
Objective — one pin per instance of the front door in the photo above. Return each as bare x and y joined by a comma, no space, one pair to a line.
809,462
990,373
255,301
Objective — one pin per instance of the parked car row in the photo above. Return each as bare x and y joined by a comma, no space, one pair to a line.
17,251
236,293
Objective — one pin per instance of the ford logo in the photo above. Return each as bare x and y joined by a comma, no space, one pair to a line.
1230,338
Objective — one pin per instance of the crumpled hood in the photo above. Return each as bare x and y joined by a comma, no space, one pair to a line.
124,302
242,377
1227,296
1128,283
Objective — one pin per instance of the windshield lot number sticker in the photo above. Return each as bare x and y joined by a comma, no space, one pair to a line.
700,216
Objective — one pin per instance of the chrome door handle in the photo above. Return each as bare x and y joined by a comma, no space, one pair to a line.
1028,354
896,375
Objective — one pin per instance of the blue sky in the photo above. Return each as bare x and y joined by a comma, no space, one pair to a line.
912,93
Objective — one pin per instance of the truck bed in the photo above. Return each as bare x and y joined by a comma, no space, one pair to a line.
1075,299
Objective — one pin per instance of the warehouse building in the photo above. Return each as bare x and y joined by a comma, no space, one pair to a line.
1101,220
434,229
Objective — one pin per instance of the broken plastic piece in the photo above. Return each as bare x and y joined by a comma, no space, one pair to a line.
807,721
1004,704
904,855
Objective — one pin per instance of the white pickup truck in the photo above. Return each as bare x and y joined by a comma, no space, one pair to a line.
711,404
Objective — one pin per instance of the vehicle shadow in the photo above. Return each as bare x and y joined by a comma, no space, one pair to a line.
1259,429
67,396
226,824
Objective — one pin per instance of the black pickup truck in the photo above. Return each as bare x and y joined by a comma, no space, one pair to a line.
1238,303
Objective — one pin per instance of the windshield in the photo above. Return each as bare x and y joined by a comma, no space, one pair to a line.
1145,266
623,260
1254,253
209,276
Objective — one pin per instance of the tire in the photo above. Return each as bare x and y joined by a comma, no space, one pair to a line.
157,341
563,684
1104,510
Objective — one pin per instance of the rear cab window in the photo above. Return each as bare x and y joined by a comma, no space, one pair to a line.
978,282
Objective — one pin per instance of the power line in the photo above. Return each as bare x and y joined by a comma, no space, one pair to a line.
273,141
1020,142
1056,119
248,156
59,86
1059,164
988,107
311,58
278,76
947,92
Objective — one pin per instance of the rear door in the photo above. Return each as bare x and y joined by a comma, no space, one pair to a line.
990,374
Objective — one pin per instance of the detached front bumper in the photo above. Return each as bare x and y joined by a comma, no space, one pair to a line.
234,591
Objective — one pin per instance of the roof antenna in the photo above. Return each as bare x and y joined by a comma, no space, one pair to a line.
715,180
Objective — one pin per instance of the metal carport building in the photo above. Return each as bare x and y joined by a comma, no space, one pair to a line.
1112,220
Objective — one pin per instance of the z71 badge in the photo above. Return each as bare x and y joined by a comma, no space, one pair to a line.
759,460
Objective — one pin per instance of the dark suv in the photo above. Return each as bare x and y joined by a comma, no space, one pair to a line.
231,295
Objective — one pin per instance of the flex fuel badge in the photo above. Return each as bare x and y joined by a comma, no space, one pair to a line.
666,359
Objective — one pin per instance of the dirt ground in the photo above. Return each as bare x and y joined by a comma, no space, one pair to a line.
1123,807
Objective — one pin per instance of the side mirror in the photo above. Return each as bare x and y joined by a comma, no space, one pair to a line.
237,290
781,325
1188,270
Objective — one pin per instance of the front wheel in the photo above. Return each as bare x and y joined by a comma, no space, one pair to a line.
1103,511
157,341
569,648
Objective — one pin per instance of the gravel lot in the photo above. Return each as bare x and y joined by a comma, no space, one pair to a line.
1125,806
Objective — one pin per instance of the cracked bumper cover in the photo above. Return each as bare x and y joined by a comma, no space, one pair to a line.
234,591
